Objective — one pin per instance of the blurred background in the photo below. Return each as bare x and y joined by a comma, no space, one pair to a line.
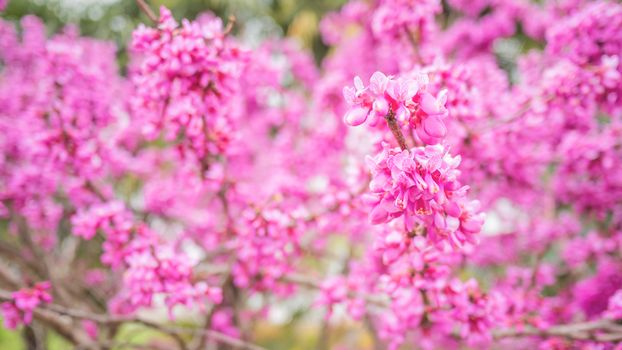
115,19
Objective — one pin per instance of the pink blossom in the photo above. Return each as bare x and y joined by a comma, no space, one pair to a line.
614,310
405,97
90,328
20,309
422,185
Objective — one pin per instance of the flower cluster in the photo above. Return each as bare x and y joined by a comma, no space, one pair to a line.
422,185
182,80
614,309
589,35
115,223
586,175
405,18
158,269
266,246
404,98
19,310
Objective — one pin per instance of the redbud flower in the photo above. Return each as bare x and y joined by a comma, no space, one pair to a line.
422,185
614,310
20,309
405,97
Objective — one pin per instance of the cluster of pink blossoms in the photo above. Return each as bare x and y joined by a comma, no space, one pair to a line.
151,267
614,309
266,246
184,78
20,309
422,185
160,270
405,18
414,272
405,98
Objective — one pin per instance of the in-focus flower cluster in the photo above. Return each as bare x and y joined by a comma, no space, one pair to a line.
404,98
421,184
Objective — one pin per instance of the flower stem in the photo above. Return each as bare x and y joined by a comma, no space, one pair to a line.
395,129
147,10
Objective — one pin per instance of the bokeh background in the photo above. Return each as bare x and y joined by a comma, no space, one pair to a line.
115,19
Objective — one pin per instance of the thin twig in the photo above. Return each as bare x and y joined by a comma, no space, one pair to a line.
305,281
230,25
170,330
603,330
395,129
414,42
147,10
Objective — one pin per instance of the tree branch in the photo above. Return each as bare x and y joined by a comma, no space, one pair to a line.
395,129
147,10
603,330
173,331
414,42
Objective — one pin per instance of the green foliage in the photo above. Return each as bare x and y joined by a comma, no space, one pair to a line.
10,340
115,19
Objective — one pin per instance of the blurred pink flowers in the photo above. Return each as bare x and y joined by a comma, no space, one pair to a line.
19,310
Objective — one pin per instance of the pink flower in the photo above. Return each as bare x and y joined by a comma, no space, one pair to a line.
422,185
356,116
401,89
90,328
405,97
333,291
20,309
614,310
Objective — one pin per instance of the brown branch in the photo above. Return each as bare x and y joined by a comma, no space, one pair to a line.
414,42
27,240
173,331
229,26
7,277
203,336
214,335
526,107
603,330
305,281
63,327
12,254
147,10
395,129
173,334
89,185
53,320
